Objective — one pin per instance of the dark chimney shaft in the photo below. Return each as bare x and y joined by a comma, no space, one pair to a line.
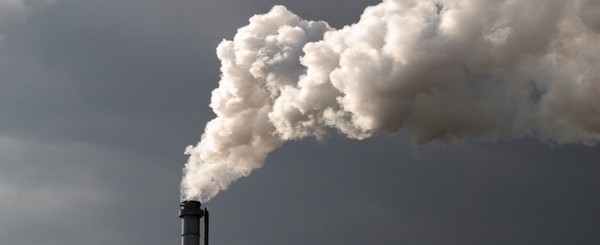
190,213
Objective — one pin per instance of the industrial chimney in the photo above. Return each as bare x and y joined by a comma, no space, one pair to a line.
190,213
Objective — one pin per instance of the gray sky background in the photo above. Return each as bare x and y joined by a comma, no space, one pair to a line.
98,100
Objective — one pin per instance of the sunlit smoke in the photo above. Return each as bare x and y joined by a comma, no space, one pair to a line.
486,69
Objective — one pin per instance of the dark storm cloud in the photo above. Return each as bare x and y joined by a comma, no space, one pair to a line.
99,98
341,192
101,70
81,194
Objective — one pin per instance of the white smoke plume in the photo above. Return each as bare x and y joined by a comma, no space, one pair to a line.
439,69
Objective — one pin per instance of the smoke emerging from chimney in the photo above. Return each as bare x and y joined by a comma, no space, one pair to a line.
439,69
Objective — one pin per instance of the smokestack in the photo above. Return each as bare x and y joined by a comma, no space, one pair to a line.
190,213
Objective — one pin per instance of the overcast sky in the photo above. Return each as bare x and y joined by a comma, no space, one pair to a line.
98,100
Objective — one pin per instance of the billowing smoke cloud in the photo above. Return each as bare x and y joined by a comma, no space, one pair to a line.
439,69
